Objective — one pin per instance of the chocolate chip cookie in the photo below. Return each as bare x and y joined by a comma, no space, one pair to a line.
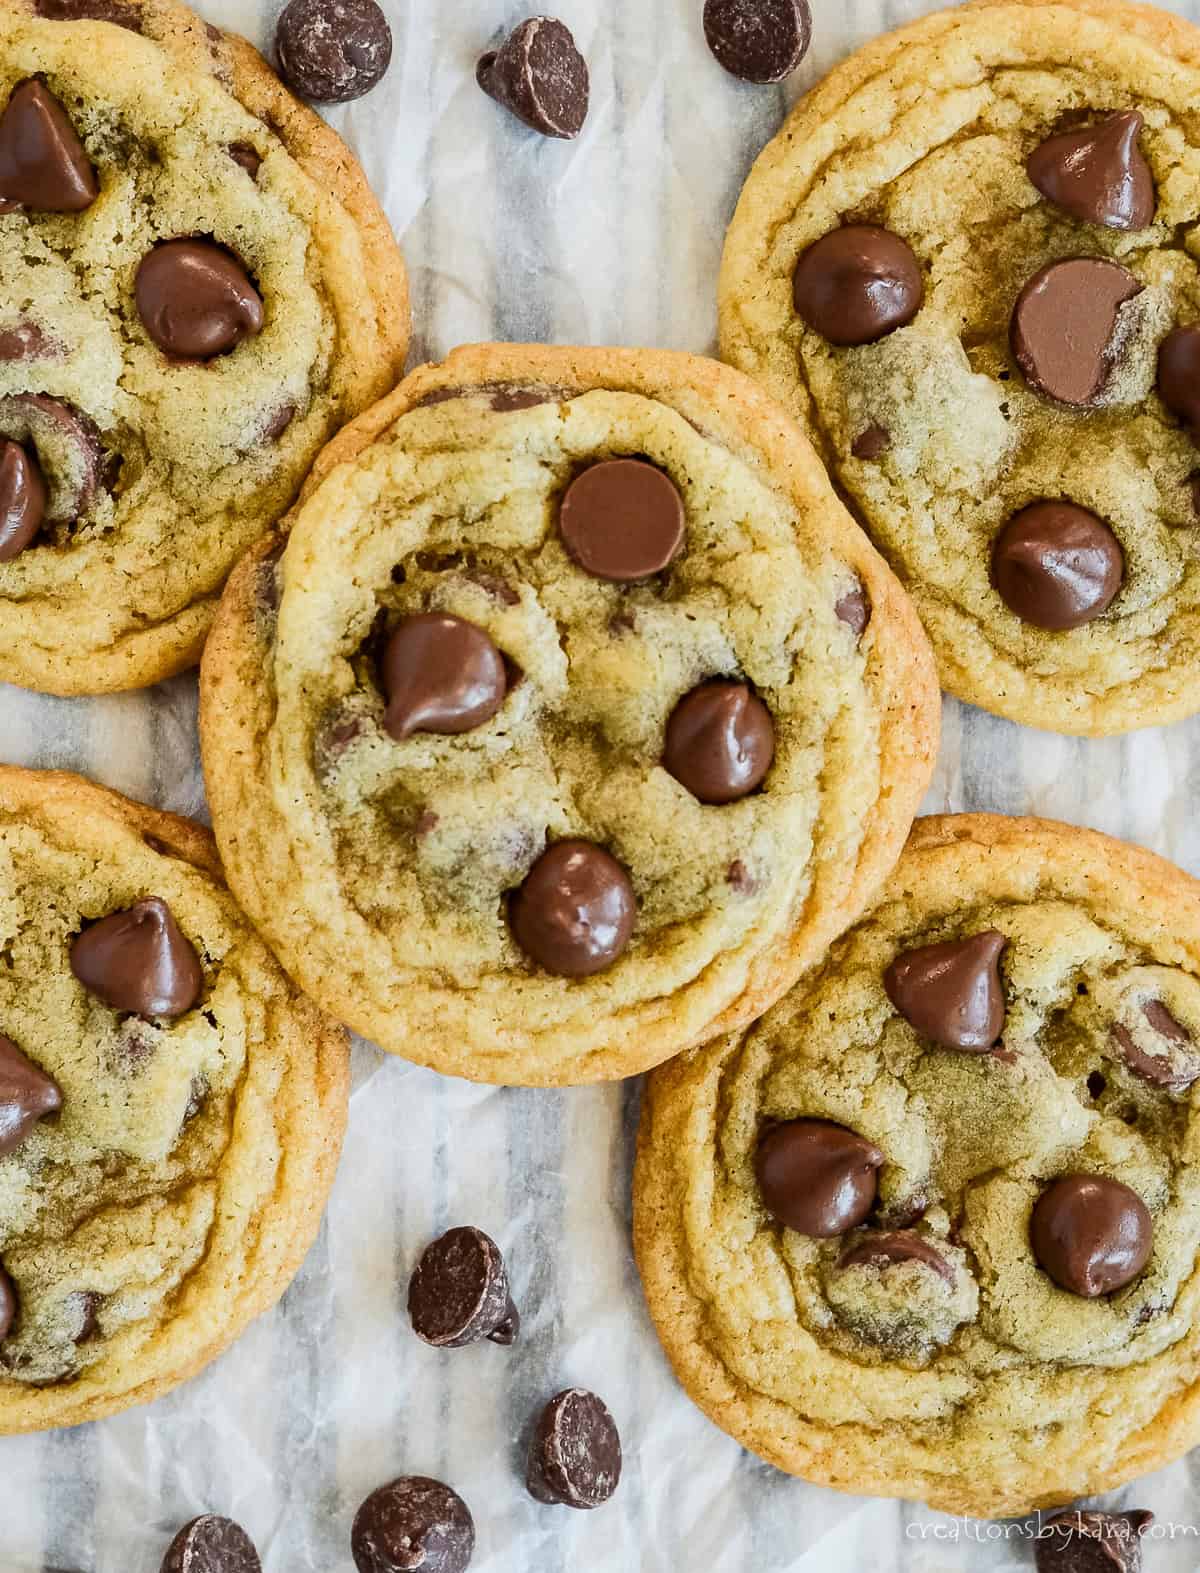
929,1229
572,721
171,1108
196,291
968,265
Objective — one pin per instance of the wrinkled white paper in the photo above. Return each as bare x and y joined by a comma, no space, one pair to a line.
613,239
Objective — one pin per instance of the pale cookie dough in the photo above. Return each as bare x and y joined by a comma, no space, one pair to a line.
176,1191
981,1387
926,132
188,463
381,871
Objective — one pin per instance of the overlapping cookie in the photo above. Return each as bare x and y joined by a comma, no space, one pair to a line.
575,718
930,1228
968,264
196,290
171,1108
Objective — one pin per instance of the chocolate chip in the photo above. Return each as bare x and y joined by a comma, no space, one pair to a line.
952,993
575,1456
48,426
247,156
739,877
195,299
277,422
139,960
575,912
499,589
817,1177
1091,1234
1098,173
858,284
440,674
459,1292
854,610
413,1523
623,520
506,400
126,16
872,443
1173,1071
889,1250
1057,566
332,51
1092,1542
8,1304
1067,328
1179,374
540,76
22,499
720,742
85,1305
211,1545
26,1095
43,164
758,40
26,341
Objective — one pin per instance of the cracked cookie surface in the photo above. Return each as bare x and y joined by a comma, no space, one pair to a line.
381,864
938,432
904,1339
173,1187
161,470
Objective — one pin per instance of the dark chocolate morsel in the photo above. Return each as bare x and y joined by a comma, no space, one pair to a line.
114,11
891,1249
22,499
139,960
622,520
1067,328
858,284
758,41
413,1525
1179,374
459,1292
575,912
8,1304
854,609
720,742
1091,1234
332,51
43,164
26,1094
952,992
575,1455
1088,1541
195,299
1057,566
872,443
247,155
817,1177
211,1544
1098,173
440,674
540,76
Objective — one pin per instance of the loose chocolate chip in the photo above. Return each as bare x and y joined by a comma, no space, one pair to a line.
1173,1071
8,1304
1092,1542
758,40
247,156
43,164
332,51
1091,1234
858,284
1098,174
459,1292
872,443
126,16
887,1250
952,992
139,960
26,341
211,1545
413,1524
440,674
22,499
40,423
854,610
575,1456
195,299
720,742
26,1095
575,912
1067,329
1179,374
1057,566
540,76
623,520
817,1177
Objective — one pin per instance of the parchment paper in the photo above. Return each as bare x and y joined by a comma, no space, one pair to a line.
615,239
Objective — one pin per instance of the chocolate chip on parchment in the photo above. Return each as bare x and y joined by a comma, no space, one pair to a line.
1092,1542
817,1177
952,992
575,1455
1068,330
212,1544
540,76
139,960
413,1525
759,41
332,51
27,1094
1098,173
459,1293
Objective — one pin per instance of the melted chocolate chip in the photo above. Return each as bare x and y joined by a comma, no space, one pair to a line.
43,164
22,500
720,742
126,16
872,443
540,76
413,1523
8,1304
575,1456
26,341
40,423
1092,1542
817,1177
248,156
1057,566
623,520
758,41
1098,173
1091,1234
952,992
440,674
85,1305
739,878
195,299
1068,330
1179,374
459,1292
858,284
575,912
212,1545
891,1249
26,1095
854,610
139,960
277,422
1173,1071
332,51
